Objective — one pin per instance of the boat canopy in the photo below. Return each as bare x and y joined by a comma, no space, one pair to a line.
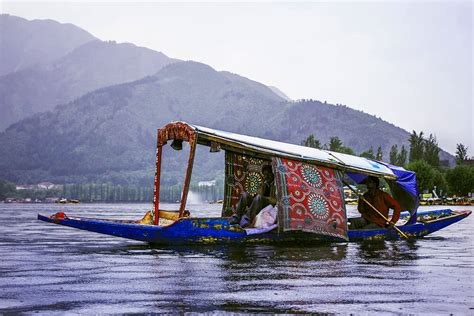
270,148
402,182
404,188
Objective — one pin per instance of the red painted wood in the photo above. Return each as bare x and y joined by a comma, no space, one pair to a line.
157,182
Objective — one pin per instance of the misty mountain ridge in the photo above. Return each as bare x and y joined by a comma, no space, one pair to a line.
26,43
109,134
93,65
112,98
280,93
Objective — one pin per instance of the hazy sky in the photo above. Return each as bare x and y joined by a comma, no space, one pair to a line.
408,62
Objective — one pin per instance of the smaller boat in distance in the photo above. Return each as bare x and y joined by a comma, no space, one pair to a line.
67,201
309,195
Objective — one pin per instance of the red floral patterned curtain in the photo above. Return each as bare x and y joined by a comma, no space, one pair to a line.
309,198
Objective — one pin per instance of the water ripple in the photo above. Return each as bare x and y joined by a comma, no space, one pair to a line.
52,269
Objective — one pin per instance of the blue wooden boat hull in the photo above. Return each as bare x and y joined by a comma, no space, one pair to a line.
218,230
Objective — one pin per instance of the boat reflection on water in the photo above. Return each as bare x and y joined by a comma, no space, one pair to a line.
381,252
271,278
388,252
259,252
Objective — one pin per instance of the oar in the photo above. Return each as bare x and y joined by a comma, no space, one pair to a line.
378,212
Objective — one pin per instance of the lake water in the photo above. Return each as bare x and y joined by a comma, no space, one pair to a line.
54,269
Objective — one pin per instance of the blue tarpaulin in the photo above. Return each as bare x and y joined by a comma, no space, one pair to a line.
404,188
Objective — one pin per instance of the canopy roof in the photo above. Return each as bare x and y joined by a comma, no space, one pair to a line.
270,148
302,153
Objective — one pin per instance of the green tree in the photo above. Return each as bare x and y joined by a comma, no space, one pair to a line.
424,149
7,189
424,174
417,146
311,141
394,155
379,155
347,150
398,158
439,180
460,180
368,153
402,157
431,151
461,153
335,144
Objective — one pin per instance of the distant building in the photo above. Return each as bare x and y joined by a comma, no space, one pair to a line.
41,185
45,185
207,183
25,187
51,199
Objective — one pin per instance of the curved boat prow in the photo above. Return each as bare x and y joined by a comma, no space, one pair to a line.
440,219
126,229
427,222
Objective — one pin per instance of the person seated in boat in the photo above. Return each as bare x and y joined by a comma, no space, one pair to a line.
382,201
248,207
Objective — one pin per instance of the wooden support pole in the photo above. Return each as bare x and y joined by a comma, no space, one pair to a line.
187,179
156,195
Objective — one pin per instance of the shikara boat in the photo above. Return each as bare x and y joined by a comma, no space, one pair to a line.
308,187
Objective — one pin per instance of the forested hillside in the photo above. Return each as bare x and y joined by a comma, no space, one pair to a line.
93,65
57,63
109,134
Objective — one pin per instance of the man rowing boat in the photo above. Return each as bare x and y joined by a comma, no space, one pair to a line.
382,201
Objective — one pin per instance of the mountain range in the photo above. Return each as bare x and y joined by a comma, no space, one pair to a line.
112,98
85,67
26,43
